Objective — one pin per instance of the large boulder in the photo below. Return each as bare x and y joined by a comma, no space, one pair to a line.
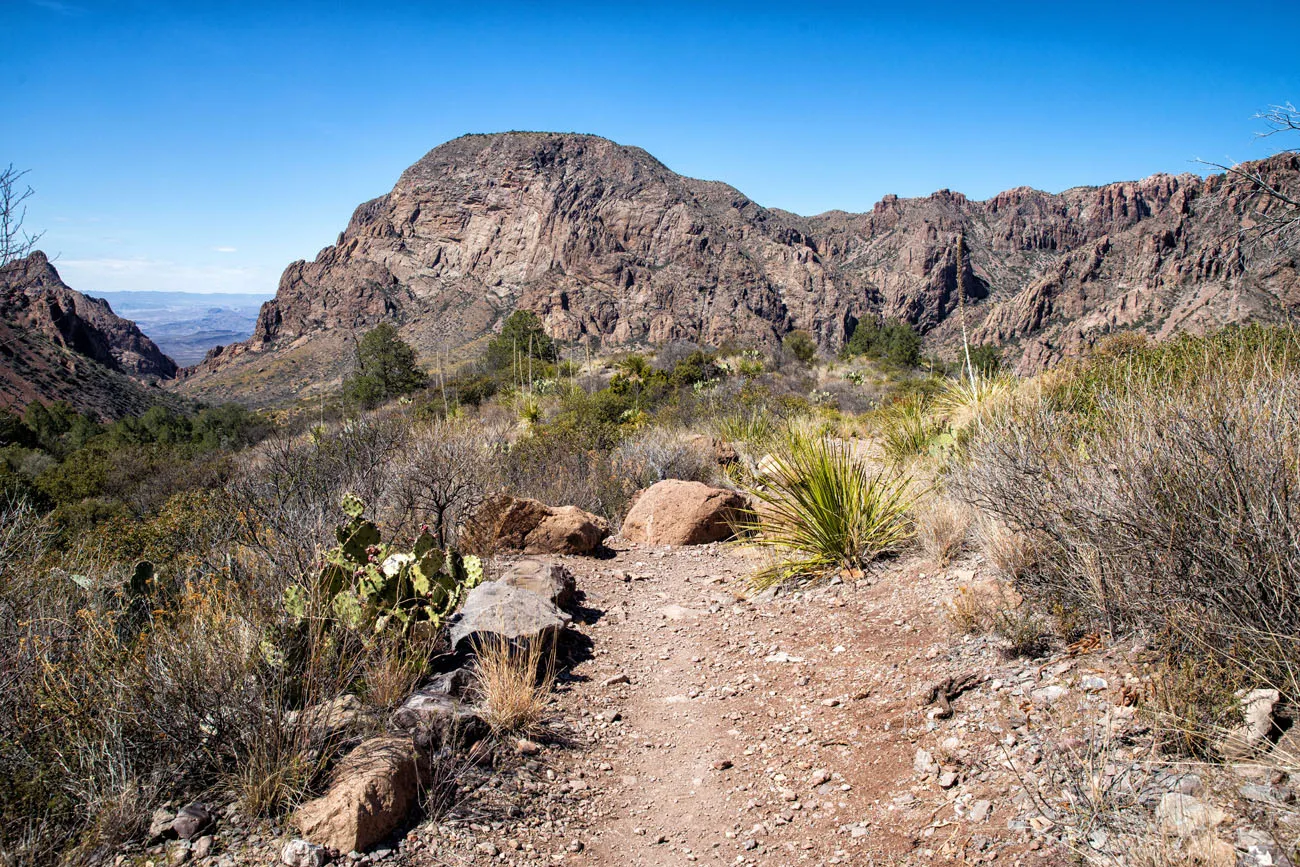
674,512
374,789
536,528
508,612
544,578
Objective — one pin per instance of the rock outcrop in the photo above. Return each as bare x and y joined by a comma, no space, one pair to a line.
607,244
530,526
34,297
673,512
58,344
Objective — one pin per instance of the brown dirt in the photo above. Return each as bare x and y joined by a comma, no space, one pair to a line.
734,709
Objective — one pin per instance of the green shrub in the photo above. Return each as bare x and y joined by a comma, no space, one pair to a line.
825,509
801,345
893,340
385,368
522,337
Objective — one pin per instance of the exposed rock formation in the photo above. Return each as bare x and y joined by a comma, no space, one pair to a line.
34,297
533,527
606,243
58,344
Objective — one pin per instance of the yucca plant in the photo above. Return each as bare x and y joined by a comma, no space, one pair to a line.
827,510
754,428
907,429
967,400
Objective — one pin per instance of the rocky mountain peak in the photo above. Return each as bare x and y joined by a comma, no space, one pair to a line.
610,247
34,297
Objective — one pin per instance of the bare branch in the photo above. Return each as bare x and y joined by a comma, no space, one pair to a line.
14,242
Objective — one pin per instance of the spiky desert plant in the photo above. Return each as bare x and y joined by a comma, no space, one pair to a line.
907,429
826,509
967,400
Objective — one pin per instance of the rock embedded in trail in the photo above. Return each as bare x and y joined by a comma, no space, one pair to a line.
549,580
674,512
508,612
374,789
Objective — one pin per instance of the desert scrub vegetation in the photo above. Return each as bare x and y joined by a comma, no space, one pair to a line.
822,508
1158,484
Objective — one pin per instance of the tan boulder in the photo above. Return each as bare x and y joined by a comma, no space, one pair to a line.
535,528
374,789
673,512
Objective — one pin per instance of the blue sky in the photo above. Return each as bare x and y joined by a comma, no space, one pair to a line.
203,146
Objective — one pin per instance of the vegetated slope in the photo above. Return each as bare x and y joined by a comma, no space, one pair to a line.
606,243
58,344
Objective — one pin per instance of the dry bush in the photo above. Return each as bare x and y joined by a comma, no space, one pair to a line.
514,684
1012,553
443,476
654,454
290,487
967,611
941,529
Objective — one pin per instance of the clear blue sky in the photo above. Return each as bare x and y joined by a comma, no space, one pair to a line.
203,146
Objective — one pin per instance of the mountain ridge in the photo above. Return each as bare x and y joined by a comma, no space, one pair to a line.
60,344
609,246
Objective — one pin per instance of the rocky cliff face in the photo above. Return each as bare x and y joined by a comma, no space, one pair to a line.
57,344
33,297
609,245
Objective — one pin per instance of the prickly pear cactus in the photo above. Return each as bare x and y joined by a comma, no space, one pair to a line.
370,587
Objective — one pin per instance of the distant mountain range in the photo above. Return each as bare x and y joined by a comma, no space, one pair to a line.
185,325
610,247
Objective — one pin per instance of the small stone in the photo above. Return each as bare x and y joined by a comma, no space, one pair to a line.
487,847
979,811
819,776
1092,683
192,820
300,853
160,825
1049,695
924,763
722,764
615,680
576,846
1185,816
525,747
947,779
203,846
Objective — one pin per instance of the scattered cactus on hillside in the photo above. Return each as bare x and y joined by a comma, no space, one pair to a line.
368,586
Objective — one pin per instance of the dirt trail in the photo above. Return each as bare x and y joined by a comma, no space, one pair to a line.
706,727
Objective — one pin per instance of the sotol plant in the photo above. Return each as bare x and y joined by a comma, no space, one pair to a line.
826,509
369,587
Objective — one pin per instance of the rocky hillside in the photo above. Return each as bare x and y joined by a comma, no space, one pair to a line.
58,344
607,244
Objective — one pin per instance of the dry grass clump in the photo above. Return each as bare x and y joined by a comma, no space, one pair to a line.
941,529
1012,553
514,684
996,608
966,611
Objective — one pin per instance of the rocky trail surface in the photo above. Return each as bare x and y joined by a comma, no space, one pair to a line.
693,723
